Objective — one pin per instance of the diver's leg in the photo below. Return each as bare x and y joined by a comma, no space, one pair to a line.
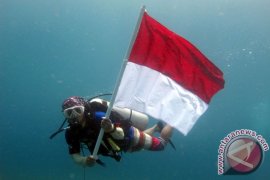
158,128
151,130
142,140
166,132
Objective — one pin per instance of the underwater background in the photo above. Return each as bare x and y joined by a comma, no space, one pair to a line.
53,49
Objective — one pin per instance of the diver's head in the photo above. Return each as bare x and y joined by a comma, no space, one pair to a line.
73,109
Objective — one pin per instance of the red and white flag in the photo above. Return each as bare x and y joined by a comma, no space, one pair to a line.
167,77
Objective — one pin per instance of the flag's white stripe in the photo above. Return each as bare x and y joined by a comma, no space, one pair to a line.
149,91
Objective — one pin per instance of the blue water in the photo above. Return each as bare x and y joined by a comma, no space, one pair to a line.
53,49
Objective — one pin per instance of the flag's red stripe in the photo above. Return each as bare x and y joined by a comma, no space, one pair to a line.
162,50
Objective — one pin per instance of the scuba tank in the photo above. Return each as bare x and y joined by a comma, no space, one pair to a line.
139,120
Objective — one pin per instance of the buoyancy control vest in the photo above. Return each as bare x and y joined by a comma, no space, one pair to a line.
94,111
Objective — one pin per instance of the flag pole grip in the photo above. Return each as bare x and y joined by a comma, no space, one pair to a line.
108,112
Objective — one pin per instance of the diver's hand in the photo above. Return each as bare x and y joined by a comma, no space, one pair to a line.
90,161
107,125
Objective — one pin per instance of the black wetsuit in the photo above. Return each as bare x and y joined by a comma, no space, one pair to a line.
78,135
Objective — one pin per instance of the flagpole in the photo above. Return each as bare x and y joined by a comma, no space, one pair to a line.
101,132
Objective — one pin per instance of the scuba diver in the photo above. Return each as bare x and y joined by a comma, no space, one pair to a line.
85,118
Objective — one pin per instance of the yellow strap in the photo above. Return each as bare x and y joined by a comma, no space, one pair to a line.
113,145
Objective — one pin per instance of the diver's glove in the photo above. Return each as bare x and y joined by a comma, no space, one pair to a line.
83,160
115,132
107,125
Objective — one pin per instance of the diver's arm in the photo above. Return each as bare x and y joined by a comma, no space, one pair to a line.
115,132
82,160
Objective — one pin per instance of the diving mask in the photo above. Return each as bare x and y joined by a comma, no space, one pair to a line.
74,112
